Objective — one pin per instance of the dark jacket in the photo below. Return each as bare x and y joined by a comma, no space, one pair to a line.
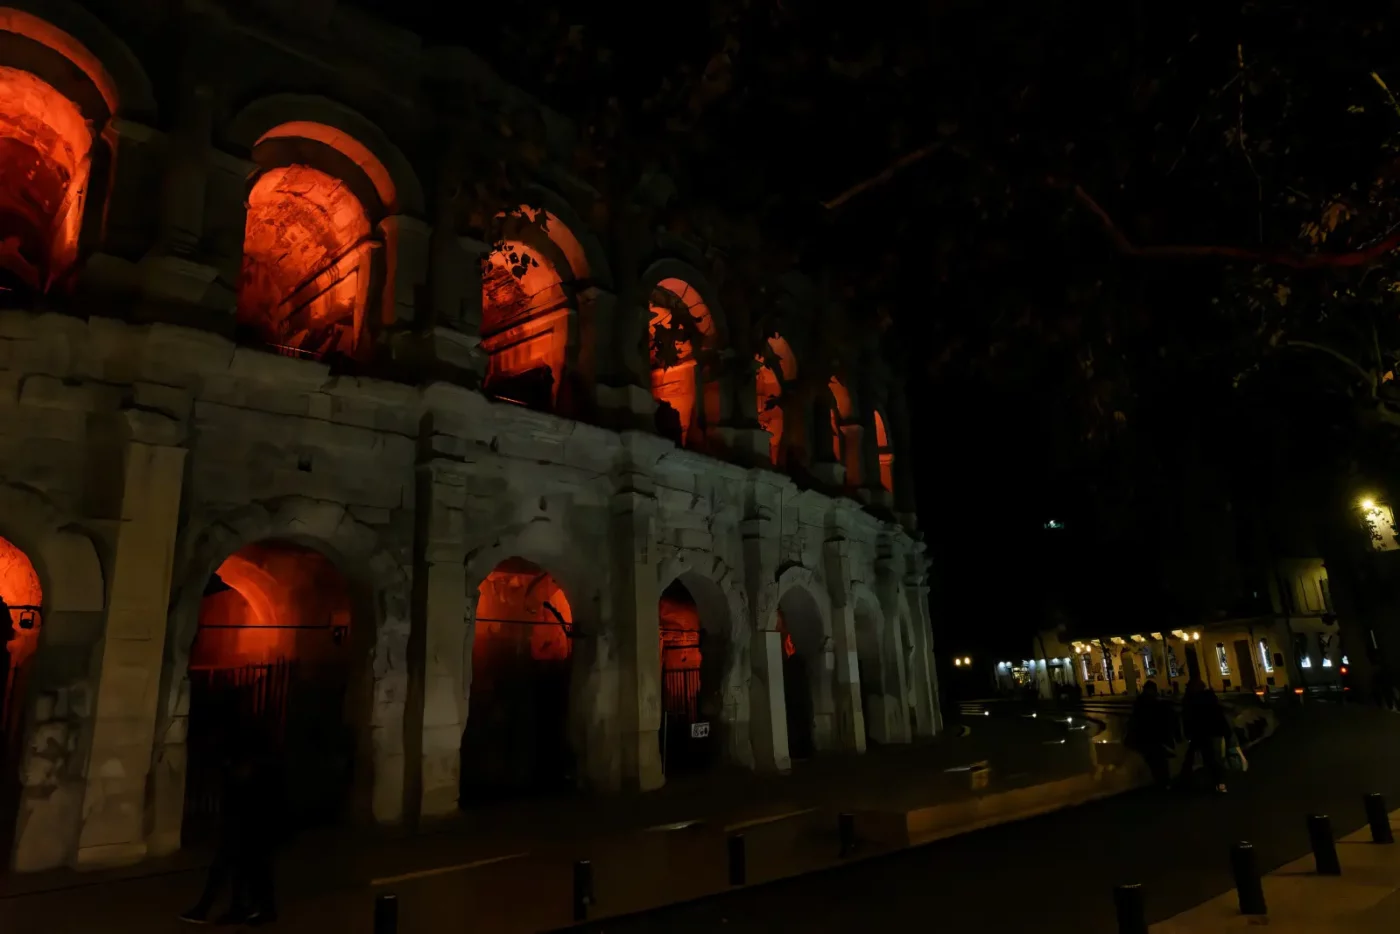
1203,716
1152,723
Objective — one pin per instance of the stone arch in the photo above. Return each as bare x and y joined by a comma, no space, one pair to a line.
106,60
57,96
344,126
599,269
380,593
593,687
802,614
725,656
777,370
39,823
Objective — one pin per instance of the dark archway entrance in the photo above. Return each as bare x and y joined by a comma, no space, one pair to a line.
694,618
21,599
516,738
799,621
270,670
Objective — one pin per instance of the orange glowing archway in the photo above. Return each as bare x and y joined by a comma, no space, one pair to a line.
45,147
842,446
776,370
521,609
23,597
272,601
309,246
886,453
679,318
525,307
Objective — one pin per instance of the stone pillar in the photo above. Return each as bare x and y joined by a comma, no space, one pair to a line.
596,308
923,674
767,700
635,606
439,620
131,654
850,717
895,652
405,267
187,174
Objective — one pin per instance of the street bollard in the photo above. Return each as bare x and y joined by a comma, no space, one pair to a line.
738,864
1323,846
1379,819
1248,885
583,889
846,828
386,914
1131,909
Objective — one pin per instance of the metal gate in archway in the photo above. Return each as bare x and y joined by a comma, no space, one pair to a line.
686,741
516,737
296,710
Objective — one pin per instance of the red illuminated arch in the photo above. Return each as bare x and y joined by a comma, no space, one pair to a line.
845,433
680,320
526,306
885,450
309,252
23,597
45,147
776,369
520,608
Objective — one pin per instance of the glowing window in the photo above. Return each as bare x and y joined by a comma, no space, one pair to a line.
521,609
680,321
776,368
1264,657
525,307
23,597
886,453
304,287
1222,659
44,164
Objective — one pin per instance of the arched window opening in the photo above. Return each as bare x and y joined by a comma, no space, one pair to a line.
885,452
21,607
516,738
777,369
681,327
311,264
527,292
807,695
269,674
45,162
845,433
695,622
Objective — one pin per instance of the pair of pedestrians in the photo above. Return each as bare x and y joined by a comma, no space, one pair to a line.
1153,733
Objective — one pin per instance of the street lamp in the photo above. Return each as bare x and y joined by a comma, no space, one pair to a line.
1368,504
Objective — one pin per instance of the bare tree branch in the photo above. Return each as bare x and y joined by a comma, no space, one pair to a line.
903,162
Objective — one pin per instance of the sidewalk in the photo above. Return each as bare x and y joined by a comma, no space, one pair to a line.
1365,899
509,868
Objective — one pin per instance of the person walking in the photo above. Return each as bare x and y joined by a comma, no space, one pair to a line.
1207,728
249,818
1152,732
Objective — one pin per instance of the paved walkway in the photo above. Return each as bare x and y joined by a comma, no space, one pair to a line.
509,868
1054,874
1365,899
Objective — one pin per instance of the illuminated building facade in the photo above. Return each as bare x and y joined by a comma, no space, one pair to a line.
289,455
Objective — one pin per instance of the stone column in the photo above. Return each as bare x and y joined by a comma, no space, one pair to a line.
187,174
635,605
405,267
439,621
895,654
767,700
850,717
902,442
596,307
923,674
131,654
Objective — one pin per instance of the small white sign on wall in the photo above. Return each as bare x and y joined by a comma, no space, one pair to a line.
699,730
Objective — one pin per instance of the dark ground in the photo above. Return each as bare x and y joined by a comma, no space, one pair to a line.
1056,873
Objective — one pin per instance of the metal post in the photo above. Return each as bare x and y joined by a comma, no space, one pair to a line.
1248,886
846,827
1379,819
738,863
386,914
1323,846
1131,909
583,889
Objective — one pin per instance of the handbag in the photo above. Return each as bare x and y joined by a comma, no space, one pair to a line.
1235,760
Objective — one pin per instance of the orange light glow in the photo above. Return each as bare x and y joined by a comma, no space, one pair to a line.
524,316
44,149
885,452
789,647
21,593
844,435
769,390
281,601
521,610
674,380
305,279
